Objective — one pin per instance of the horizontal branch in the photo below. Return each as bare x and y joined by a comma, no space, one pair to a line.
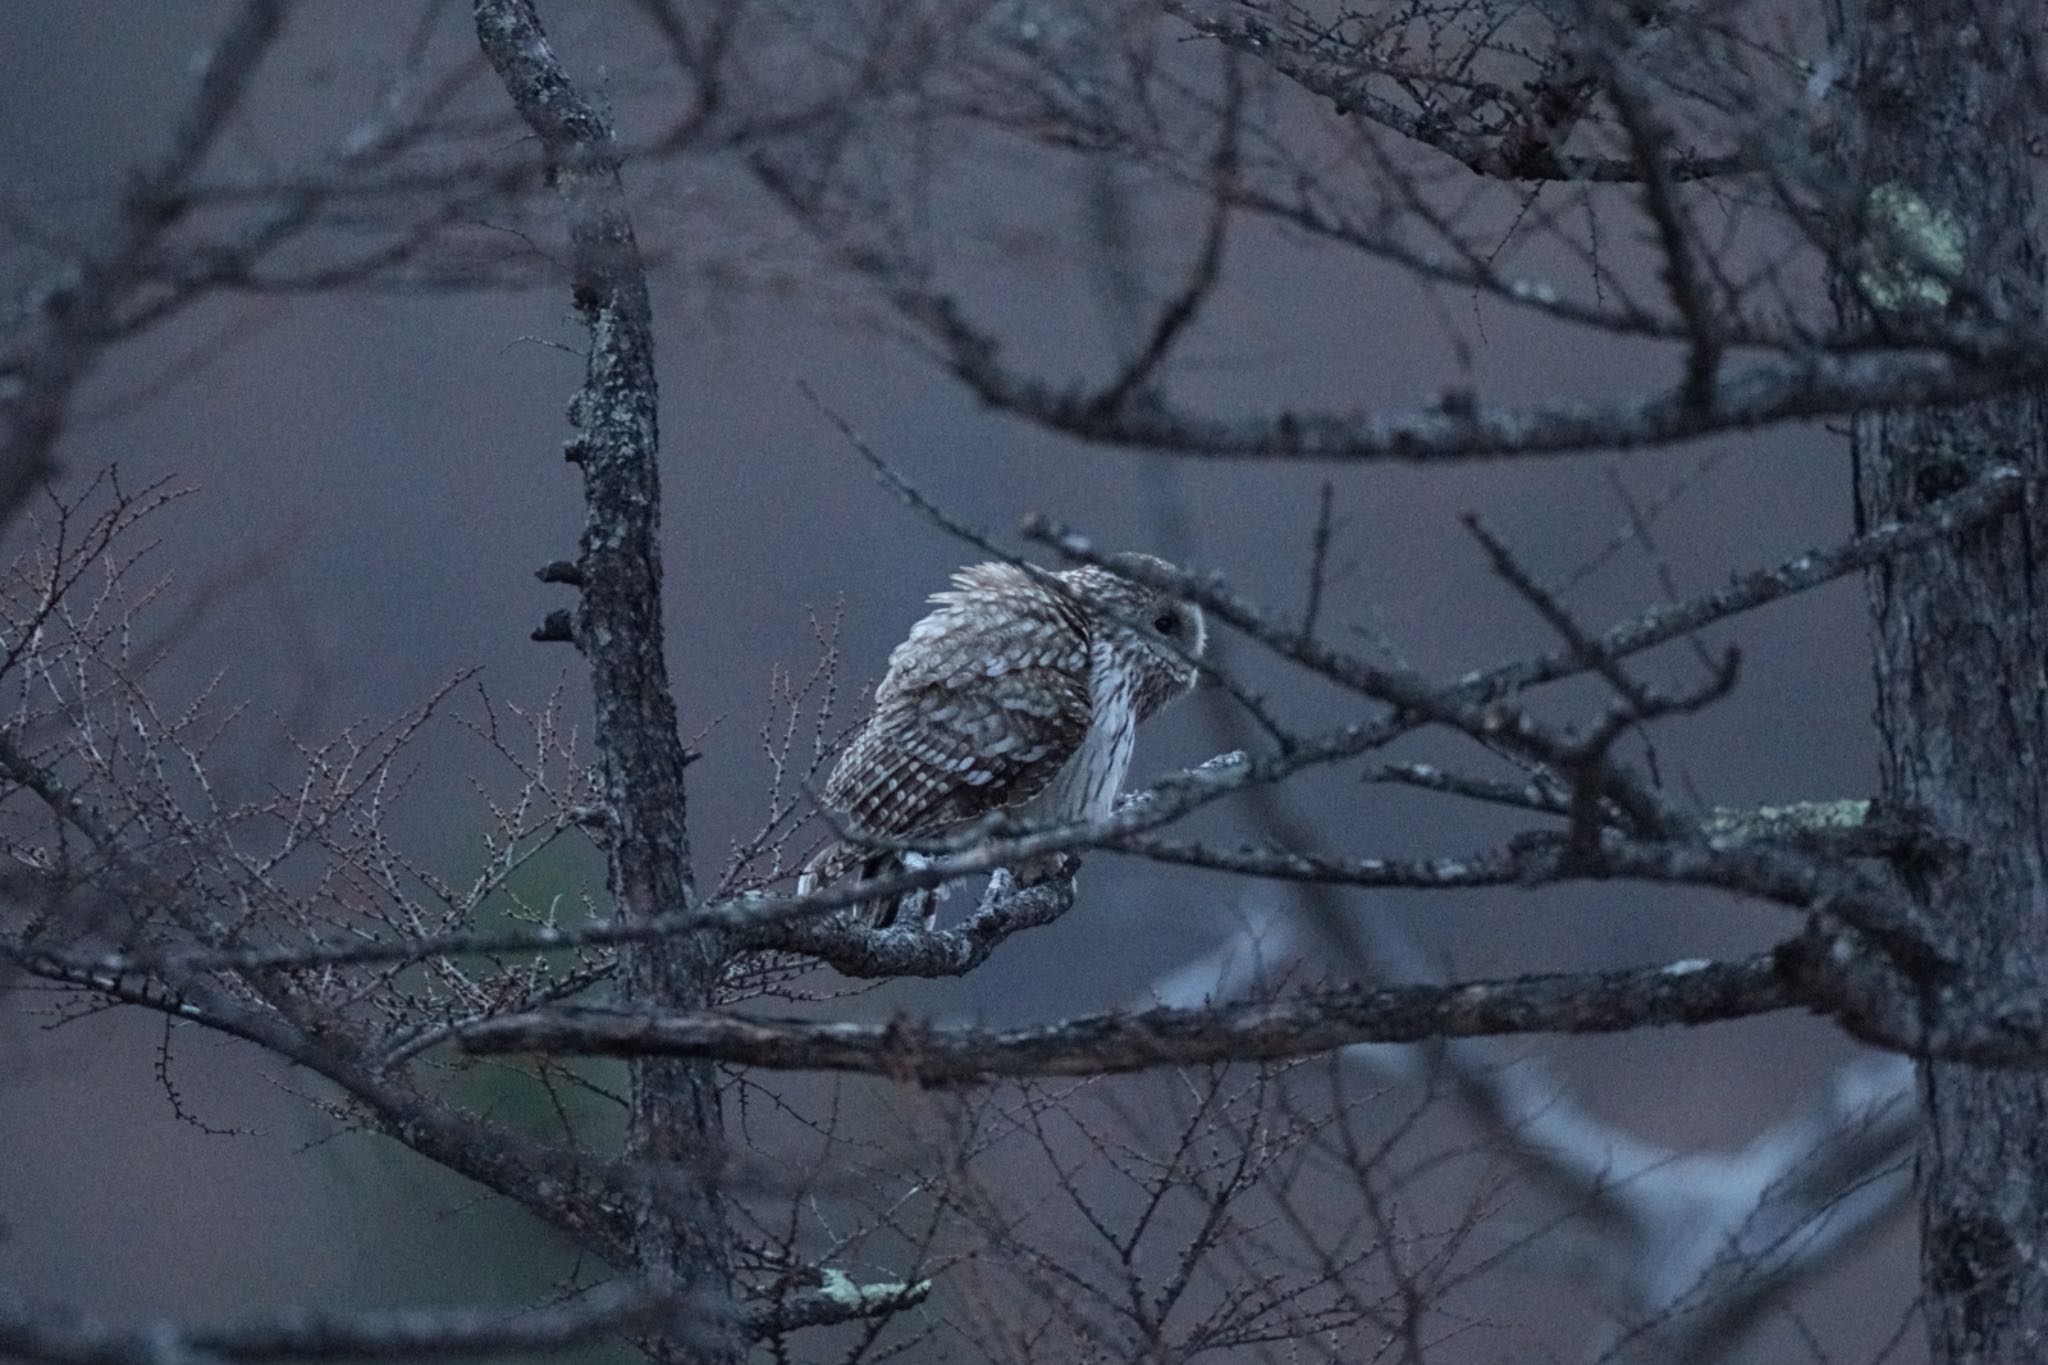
1754,858
902,949
405,1334
838,1299
1298,1026
1768,392
1533,859
976,850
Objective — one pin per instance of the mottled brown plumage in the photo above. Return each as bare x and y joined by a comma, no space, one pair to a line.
1019,691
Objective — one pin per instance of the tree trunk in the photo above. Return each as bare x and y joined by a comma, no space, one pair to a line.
1962,634
674,1144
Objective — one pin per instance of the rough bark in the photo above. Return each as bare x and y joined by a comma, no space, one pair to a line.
681,1242
1301,1025
1962,631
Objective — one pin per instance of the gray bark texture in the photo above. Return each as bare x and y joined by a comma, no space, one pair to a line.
681,1242
1962,635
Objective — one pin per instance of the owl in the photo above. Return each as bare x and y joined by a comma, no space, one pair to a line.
1021,691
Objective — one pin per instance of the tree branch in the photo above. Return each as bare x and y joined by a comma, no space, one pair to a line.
1583,1002
904,950
76,318
401,1334
1528,150
1767,392
838,1299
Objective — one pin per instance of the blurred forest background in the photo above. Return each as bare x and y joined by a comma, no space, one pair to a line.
375,477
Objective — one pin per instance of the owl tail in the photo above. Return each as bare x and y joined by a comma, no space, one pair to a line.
835,861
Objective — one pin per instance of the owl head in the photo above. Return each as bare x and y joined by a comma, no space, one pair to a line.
1154,633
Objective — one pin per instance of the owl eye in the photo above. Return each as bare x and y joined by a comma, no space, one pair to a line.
1166,623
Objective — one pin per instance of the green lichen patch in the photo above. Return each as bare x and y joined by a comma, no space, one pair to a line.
1914,253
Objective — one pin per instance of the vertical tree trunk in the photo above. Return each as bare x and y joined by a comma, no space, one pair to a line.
681,1240
1963,628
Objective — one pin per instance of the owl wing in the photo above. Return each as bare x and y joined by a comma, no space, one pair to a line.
933,757
981,706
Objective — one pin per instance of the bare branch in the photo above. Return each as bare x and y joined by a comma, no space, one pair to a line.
1305,48
1590,1002
1767,392
77,316
405,1334
838,1300
902,950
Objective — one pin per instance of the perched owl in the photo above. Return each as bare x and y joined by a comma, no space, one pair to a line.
1018,692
